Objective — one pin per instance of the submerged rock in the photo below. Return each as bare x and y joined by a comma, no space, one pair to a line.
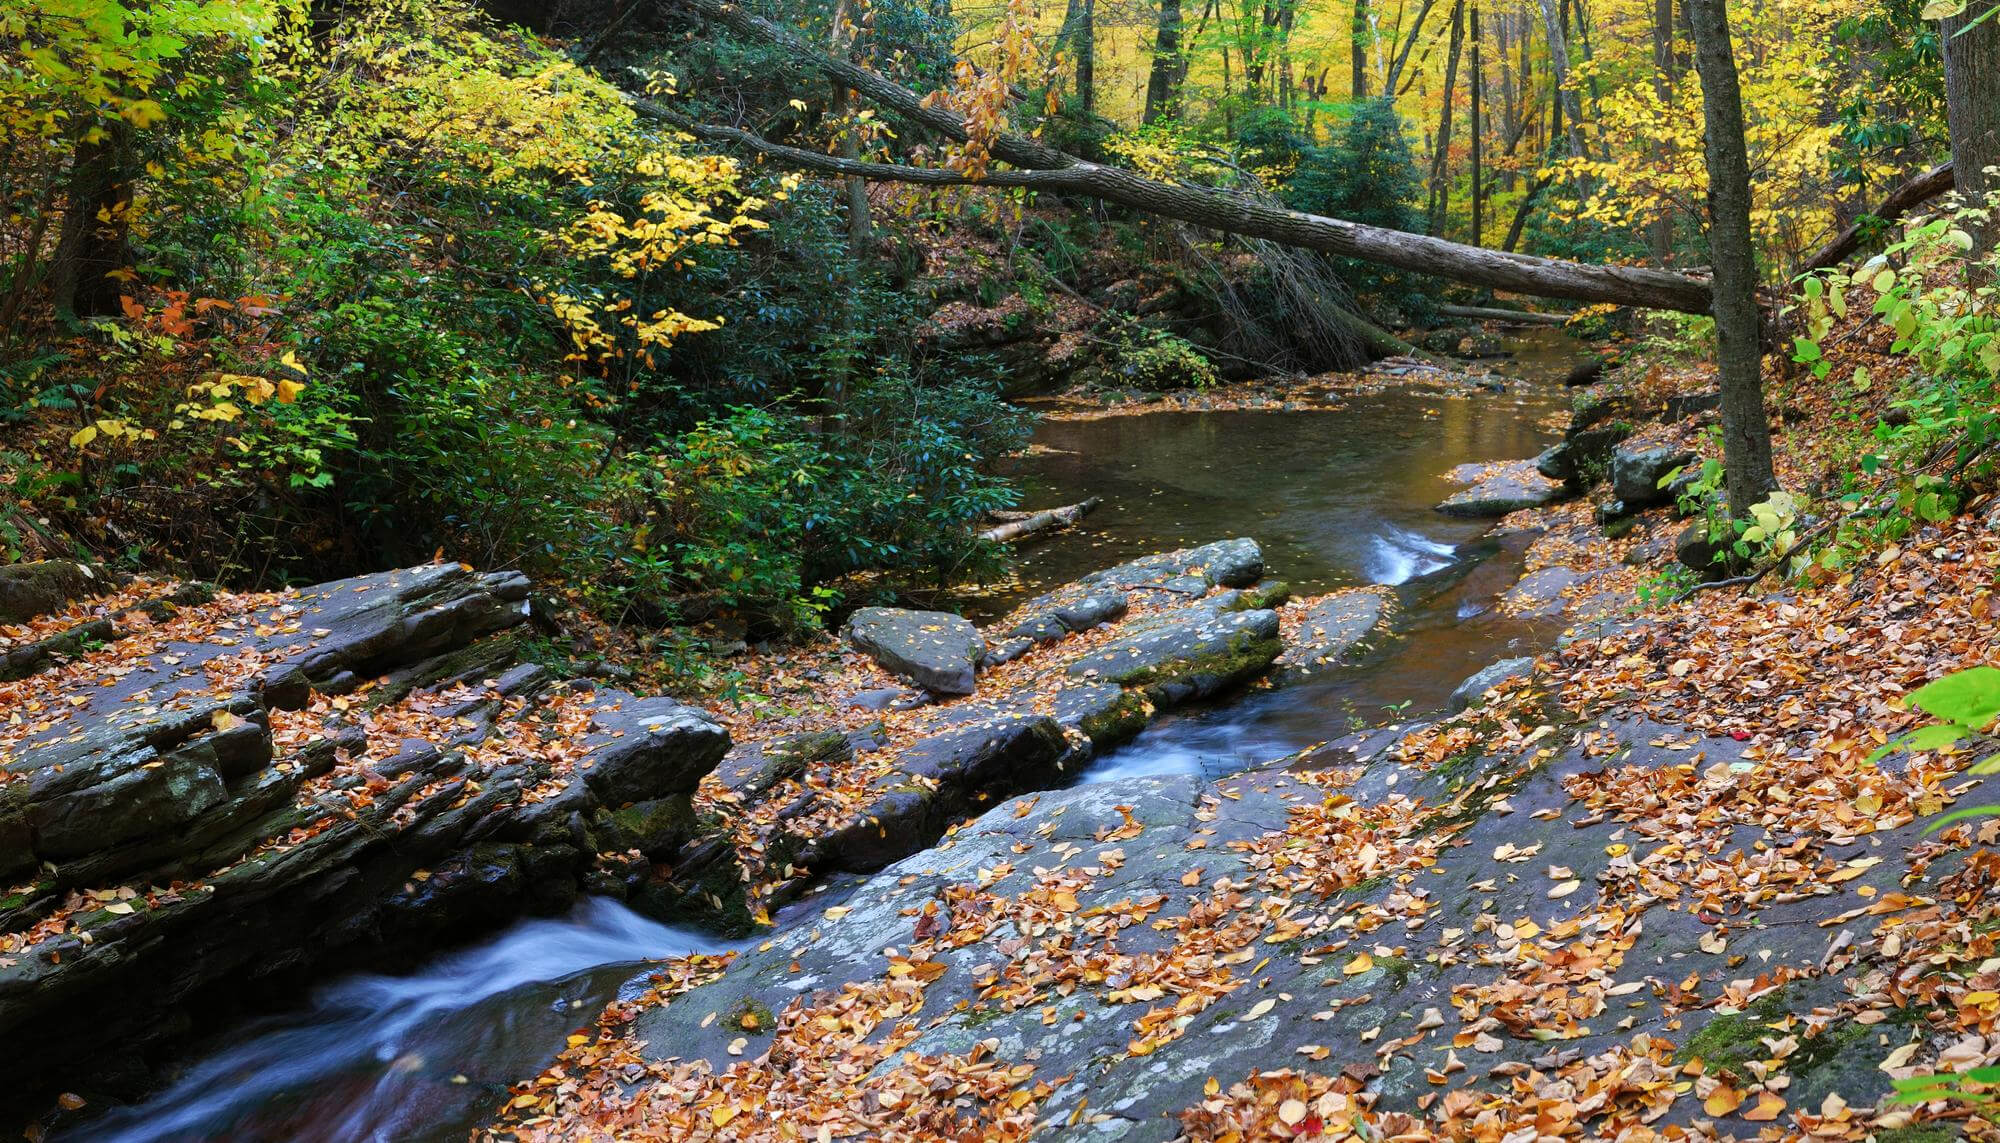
936,650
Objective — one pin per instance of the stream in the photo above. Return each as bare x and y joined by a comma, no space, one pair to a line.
1336,498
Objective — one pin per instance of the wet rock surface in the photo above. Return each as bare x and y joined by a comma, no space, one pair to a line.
1496,490
216,797
1452,986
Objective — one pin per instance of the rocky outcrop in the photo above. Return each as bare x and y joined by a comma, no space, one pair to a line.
1086,667
215,798
936,650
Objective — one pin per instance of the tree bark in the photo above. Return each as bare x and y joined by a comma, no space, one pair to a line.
1746,426
1566,101
1051,170
1440,198
1163,86
1972,105
1358,52
1478,155
89,248
860,233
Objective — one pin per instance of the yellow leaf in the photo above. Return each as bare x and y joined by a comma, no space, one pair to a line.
721,1114
1359,965
1261,1007
288,391
121,908
83,436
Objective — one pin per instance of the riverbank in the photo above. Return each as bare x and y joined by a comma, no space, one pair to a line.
1654,885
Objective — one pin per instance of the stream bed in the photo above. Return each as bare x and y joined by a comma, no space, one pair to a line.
1336,498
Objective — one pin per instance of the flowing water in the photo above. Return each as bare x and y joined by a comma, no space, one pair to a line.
1339,498
402,1059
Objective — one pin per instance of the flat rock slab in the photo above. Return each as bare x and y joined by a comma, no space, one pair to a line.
1187,656
1333,630
1500,489
1174,852
936,650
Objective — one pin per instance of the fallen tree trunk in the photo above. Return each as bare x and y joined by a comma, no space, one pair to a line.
1062,517
1494,313
1046,169
1901,201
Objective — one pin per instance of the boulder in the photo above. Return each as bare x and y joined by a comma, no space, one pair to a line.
1636,474
1583,457
1472,692
32,589
936,650
1708,559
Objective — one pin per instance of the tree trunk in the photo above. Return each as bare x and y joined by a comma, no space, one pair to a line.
1078,37
1440,204
89,248
1034,522
1660,233
860,233
1045,168
1566,101
1402,57
1746,427
1972,104
1163,86
1478,156
1917,191
1358,52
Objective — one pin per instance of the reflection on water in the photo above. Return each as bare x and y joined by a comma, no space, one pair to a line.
402,1058
1336,499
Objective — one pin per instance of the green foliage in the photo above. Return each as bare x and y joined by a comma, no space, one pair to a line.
1945,315
518,325
1139,356
1367,175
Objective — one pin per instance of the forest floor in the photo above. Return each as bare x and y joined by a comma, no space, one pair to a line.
1657,887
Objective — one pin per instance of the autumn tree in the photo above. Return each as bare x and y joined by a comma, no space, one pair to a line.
1746,426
